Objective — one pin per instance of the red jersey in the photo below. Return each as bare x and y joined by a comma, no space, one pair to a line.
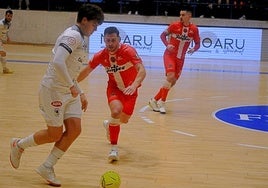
119,66
180,37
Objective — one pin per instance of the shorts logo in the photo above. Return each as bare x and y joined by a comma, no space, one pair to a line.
250,117
56,104
57,112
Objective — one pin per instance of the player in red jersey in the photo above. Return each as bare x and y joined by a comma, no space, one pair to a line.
177,38
125,75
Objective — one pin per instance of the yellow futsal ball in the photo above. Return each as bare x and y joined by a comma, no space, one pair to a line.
110,179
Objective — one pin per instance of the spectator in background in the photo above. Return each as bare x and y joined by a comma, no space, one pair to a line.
239,9
27,2
148,7
112,6
134,6
208,10
9,4
223,9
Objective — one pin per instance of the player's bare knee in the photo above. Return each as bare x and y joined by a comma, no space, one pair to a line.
116,113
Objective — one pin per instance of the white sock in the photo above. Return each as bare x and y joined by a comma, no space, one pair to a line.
3,62
53,157
27,142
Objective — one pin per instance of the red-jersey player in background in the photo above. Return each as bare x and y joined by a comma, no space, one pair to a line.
126,73
177,38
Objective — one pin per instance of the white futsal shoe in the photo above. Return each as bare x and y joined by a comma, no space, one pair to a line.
15,153
113,155
162,108
49,175
153,104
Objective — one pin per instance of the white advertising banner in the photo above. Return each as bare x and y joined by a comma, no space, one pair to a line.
216,42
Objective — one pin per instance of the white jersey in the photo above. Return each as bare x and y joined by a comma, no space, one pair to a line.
73,41
4,28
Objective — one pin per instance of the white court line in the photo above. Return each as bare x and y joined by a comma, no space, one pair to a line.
143,109
30,54
215,97
184,133
147,120
172,100
252,146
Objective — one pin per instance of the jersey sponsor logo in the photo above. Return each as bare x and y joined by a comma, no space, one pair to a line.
249,117
183,37
114,68
56,104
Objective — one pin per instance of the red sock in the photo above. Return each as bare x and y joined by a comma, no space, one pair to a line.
158,95
164,94
114,134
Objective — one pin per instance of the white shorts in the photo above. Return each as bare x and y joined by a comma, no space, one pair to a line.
56,106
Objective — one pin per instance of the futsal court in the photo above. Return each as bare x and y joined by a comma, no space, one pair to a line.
189,147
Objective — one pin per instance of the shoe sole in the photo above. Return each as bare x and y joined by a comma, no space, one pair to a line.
49,182
113,159
8,72
153,108
11,146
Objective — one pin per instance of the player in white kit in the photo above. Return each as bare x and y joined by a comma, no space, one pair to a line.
5,24
61,100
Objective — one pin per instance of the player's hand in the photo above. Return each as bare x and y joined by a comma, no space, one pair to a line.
129,90
191,51
84,101
170,48
74,91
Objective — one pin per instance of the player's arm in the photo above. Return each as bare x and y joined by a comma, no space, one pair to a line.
59,60
140,76
84,73
138,80
196,42
163,37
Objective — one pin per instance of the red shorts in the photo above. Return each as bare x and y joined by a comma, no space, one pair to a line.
173,64
128,101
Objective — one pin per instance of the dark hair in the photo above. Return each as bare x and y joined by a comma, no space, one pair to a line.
91,12
9,11
111,30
